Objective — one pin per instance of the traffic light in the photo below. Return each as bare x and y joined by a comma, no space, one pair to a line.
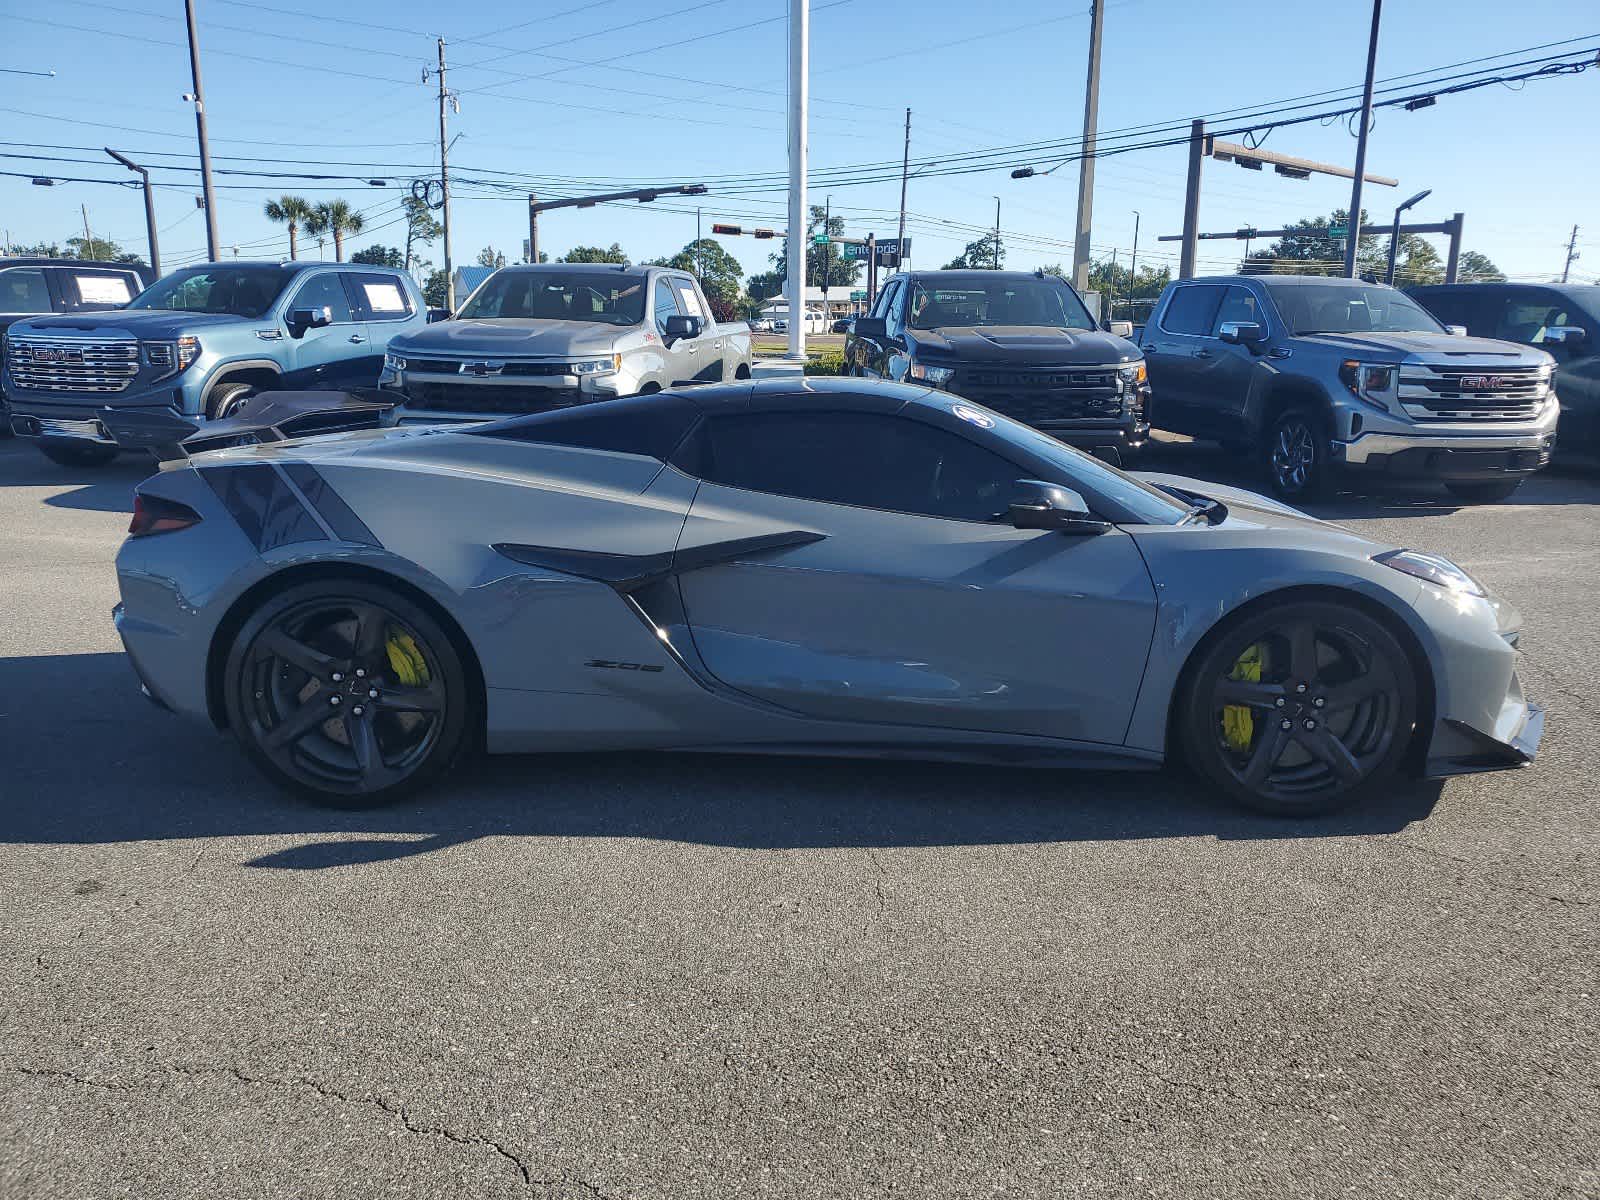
729,230
766,233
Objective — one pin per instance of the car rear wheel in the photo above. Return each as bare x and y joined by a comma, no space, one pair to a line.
1484,493
1296,454
77,454
347,692
1300,709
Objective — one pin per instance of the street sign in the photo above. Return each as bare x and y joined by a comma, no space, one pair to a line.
819,239
859,294
1338,231
853,251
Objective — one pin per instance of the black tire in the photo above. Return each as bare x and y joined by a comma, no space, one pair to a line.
1295,454
226,400
1484,493
77,454
1287,754
325,647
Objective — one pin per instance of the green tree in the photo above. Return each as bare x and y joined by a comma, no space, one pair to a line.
765,286
99,250
421,227
293,211
987,253
490,257
1477,268
594,254
824,265
379,256
1310,250
337,218
38,250
1126,294
720,275
436,290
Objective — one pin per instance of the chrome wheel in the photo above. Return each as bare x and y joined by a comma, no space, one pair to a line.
1294,454
346,695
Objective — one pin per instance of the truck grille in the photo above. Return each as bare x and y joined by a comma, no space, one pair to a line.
1043,395
489,397
1452,393
452,366
71,365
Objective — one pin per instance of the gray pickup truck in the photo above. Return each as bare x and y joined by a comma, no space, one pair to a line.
535,338
1315,375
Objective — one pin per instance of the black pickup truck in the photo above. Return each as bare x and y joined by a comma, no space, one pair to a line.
1021,343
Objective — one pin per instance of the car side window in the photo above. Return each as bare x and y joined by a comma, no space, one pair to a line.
880,307
1238,304
1526,318
1457,308
23,290
325,289
689,301
377,297
665,304
1192,310
96,288
865,460
896,310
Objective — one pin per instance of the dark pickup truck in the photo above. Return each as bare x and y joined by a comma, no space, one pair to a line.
1021,343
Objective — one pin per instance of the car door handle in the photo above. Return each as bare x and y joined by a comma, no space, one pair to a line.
357,338
1202,354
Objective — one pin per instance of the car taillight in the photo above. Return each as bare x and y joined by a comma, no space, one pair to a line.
152,514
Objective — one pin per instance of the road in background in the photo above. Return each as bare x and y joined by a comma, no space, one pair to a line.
669,976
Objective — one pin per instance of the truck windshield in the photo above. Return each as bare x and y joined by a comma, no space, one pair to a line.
1349,308
239,291
974,300
601,297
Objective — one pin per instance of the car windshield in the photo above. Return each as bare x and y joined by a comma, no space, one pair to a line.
239,291
970,300
1349,308
603,297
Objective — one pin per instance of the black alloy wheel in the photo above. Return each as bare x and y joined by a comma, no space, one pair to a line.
347,692
1300,709
229,400
1296,453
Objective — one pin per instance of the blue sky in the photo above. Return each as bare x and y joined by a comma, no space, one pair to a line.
660,101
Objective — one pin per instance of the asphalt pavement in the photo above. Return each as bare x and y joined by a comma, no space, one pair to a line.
654,976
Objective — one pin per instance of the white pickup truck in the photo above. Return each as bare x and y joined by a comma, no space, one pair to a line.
534,338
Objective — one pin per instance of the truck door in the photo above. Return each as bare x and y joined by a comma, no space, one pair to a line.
385,309
679,355
1175,348
332,356
707,347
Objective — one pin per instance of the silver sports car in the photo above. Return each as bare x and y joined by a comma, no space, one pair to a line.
819,567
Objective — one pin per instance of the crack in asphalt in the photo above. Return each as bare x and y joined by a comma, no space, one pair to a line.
1564,901
877,889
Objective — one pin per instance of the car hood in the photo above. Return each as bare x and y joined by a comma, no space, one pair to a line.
1397,346
511,336
1022,345
1247,506
149,324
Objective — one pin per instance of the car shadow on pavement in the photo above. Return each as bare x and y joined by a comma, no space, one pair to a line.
106,488
88,762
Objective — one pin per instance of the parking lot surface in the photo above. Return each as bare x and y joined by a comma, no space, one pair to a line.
671,976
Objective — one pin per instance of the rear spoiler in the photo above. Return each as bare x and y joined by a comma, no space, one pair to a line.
268,417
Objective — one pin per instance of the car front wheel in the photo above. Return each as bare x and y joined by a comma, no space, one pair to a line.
1296,454
1299,709
347,692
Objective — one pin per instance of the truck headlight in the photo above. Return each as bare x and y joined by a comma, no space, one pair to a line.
1133,376
930,374
394,362
609,365
172,357
1373,383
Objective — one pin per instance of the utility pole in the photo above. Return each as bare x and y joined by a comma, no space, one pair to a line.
149,208
533,228
1191,201
699,265
872,268
799,103
905,173
444,184
827,253
1082,242
1133,270
88,242
1353,242
997,233
1572,254
199,98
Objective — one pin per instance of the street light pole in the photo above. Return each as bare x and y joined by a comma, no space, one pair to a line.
997,233
799,101
1354,238
1394,234
199,98
149,207
1133,269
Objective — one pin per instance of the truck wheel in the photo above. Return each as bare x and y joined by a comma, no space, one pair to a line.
1295,453
1484,493
74,454
226,400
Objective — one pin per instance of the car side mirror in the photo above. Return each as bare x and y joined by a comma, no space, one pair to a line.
1565,337
1041,505
680,326
302,319
1456,330
841,326
1121,329
871,327
439,314
1242,333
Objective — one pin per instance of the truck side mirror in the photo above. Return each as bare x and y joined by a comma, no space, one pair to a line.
302,319
1456,330
679,326
439,314
875,328
1122,329
1242,333
1563,337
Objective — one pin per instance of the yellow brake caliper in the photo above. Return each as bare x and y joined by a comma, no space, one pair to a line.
1238,724
405,659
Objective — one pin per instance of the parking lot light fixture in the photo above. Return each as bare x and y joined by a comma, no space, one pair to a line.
1394,233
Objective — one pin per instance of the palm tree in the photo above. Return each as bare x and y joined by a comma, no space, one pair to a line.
292,211
338,218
